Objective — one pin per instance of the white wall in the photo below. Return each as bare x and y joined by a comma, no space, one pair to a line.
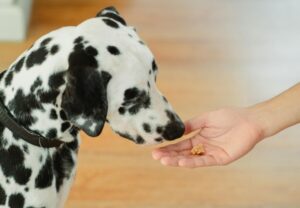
5,2
14,19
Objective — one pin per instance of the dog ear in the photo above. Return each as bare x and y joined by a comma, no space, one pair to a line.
84,99
111,12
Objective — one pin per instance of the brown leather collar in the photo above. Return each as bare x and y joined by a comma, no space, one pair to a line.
33,138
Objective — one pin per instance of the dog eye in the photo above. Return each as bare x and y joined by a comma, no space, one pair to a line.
131,93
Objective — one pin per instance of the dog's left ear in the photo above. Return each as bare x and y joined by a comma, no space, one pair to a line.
111,12
84,99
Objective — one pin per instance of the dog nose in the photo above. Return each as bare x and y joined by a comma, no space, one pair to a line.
173,130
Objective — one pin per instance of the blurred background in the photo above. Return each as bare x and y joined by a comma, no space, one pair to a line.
211,54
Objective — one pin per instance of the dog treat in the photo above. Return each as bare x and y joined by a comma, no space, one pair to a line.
198,150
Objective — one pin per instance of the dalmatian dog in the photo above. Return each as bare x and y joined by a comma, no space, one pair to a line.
76,78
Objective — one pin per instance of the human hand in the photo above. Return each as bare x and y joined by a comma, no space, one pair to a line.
226,135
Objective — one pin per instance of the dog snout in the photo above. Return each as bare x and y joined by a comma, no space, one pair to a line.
173,130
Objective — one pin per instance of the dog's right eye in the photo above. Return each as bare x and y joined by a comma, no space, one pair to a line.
131,93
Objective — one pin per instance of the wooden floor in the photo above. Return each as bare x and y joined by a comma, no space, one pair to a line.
210,54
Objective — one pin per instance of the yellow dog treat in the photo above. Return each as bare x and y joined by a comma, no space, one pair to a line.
198,150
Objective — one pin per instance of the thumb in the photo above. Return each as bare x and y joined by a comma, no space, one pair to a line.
195,124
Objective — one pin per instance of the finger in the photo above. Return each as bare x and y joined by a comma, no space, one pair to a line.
171,161
157,154
194,124
197,161
179,146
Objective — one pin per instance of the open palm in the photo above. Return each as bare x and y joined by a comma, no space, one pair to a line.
226,135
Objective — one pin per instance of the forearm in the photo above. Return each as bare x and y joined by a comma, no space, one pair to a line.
278,113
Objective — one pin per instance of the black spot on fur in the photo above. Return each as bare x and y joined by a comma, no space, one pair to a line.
121,110
63,115
2,196
154,66
37,83
159,129
48,96
65,126
11,158
54,49
90,50
158,139
9,78
78,40
111,23
113,50
134,110
114,17
140,140
12,163
56,80
45,176
53,114
22,175
171,116
2,96
131,93
135,100
51,134
19,65
79,46
37,57
62,167
26,189
148,84
46,41
165,99
141,42
147,127
16,201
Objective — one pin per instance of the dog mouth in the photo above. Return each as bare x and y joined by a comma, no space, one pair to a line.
159,140
139,140
155,141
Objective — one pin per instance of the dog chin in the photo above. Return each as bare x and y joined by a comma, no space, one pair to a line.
150,142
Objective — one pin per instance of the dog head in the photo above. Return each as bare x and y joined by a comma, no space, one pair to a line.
111,78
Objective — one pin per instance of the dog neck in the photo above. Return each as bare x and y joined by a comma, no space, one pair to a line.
33,97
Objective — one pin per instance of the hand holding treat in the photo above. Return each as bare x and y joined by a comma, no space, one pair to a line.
226,135
223,136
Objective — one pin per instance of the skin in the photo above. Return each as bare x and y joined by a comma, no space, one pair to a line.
230,133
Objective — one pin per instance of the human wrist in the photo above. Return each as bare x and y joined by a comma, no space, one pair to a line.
276,114
261,116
